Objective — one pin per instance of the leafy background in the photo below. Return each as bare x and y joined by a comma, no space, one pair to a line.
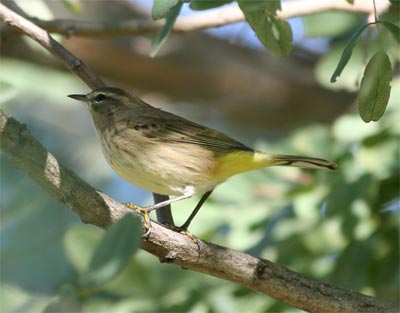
339,227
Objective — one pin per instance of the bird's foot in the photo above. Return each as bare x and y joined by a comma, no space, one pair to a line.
146,218
183,230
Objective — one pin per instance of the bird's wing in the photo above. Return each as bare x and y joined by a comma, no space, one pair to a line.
171,128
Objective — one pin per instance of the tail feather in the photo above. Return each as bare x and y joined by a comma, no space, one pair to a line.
304,162
242,161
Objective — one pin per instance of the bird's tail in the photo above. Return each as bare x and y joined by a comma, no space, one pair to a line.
299,161
242,161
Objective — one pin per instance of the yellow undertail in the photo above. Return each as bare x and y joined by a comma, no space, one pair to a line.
243,161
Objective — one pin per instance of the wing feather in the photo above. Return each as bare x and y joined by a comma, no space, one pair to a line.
172,128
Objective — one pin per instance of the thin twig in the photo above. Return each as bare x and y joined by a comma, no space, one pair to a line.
204,20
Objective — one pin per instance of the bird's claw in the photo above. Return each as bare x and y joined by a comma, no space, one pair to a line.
147,225
146,218
184,231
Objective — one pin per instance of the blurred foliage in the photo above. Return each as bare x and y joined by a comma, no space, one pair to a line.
382,38
276,35
340,227
320,25
375,86
110,257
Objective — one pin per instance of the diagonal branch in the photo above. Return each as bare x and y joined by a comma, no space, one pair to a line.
94,207
208,19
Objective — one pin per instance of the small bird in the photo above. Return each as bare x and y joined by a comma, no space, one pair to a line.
169,155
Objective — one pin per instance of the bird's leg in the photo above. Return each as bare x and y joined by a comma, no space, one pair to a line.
188,192
203,199
184,228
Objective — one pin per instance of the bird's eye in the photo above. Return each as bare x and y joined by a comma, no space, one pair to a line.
100,97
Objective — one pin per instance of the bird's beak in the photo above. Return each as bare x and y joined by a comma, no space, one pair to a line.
81,98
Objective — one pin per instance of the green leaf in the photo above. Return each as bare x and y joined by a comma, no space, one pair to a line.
350,1
161,8
80,242
160,38
283,34
249,6
345,57
270,6
207,4
117,247
275,34
393,29
375,87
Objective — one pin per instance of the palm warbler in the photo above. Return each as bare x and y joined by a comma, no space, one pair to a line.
169,155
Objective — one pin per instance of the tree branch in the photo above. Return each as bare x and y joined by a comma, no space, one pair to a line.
94,207
204,20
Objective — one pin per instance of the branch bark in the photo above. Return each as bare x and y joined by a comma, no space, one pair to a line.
204,20
96,208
